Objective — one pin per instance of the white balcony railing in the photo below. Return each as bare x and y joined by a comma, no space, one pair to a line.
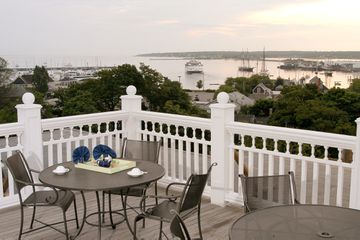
326,165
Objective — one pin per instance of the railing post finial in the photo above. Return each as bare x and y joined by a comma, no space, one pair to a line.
221,114
29,115
132,104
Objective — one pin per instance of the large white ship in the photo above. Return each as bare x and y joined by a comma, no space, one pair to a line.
193,66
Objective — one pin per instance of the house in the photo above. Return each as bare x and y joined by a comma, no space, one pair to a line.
26,80
14,91
319,84
261,91
240,100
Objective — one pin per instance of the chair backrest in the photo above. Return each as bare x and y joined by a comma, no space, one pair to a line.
193,190
141,150
19,169
266,191
178,228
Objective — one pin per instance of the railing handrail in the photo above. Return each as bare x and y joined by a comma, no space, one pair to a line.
291,134
84,119
174,118
11,128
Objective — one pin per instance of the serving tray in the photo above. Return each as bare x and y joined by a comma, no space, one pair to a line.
117,165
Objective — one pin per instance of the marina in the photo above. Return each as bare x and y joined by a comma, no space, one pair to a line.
215,71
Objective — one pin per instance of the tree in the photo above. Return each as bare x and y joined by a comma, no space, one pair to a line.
261,108
4,72
199,84
355,85
284,111
40,79
103,94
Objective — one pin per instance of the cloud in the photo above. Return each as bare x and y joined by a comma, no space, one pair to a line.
167,22
217,30
316,13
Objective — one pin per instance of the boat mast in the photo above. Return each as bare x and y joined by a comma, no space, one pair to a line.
263,67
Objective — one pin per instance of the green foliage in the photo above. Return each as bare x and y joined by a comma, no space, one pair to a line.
7,106
292,97
4,72
103,94
40,79
279,81
355,85
261,108
245,85
199,84
307,108
79,104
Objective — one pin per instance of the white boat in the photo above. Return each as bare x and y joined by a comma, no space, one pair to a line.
193,66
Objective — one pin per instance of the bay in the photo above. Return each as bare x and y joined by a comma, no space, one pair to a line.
216,71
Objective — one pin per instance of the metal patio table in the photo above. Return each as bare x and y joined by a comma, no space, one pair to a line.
85,180
298,222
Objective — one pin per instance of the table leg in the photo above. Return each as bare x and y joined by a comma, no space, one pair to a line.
99,214
84,217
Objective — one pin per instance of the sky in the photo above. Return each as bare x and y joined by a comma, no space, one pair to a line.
129,27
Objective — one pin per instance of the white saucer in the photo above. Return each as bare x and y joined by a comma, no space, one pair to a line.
61,172
130,173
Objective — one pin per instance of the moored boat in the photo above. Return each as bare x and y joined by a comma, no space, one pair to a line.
193,66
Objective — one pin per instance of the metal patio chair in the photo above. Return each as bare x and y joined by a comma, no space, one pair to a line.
186,204
22,175
266,191
135,150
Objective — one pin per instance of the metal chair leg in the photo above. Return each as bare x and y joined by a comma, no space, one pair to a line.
76,215
21,221
137,218
144,206
33,217
199,224
65,225
160,233
156,193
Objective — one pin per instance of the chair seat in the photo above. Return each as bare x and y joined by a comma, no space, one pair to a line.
162,210
65,198
137,191
256,203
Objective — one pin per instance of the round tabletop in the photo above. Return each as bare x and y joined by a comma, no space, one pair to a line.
298,222
86,180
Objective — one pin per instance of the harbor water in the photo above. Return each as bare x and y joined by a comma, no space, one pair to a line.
216,71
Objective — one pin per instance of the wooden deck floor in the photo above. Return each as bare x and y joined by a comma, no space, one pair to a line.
215,222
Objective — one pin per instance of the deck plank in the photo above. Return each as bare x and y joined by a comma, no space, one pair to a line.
216,222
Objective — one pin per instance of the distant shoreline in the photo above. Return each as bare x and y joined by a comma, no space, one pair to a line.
255,55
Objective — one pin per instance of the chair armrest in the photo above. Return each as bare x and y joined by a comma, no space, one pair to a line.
48,200
170,198
172,184
163,197
34,170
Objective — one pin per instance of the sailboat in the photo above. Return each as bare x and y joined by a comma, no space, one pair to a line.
246,63
263,71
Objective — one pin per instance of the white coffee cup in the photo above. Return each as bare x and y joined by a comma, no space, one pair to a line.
60,169
136,171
